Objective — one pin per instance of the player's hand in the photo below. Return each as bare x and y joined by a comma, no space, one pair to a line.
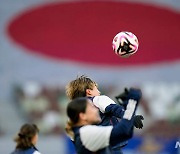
138,121
122,97
135,94
132,93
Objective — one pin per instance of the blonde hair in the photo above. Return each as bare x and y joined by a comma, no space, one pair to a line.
77,87
68,129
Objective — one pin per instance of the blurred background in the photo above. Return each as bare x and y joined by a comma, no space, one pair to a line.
44,44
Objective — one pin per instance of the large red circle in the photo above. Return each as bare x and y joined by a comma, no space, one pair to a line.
83,31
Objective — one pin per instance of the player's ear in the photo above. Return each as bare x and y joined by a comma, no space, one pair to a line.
82,116
88,92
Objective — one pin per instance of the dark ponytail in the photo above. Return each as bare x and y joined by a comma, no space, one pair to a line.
24,138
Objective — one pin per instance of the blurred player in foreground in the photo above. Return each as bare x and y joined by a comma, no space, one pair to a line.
26,140
90,138
110,112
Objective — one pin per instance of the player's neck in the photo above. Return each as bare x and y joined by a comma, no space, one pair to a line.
82,123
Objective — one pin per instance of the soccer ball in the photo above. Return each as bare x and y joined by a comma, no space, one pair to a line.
125,44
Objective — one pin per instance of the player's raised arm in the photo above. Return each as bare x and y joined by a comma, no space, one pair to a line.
107,105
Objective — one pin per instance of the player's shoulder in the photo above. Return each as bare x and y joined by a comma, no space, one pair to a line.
95,137
88,127
101,97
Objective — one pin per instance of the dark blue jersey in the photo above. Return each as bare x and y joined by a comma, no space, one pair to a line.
31,150
91,139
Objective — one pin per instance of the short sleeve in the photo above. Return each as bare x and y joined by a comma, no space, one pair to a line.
102,102
95,137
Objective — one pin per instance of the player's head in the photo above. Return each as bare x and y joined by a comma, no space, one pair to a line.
81,111
27,136
81,87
